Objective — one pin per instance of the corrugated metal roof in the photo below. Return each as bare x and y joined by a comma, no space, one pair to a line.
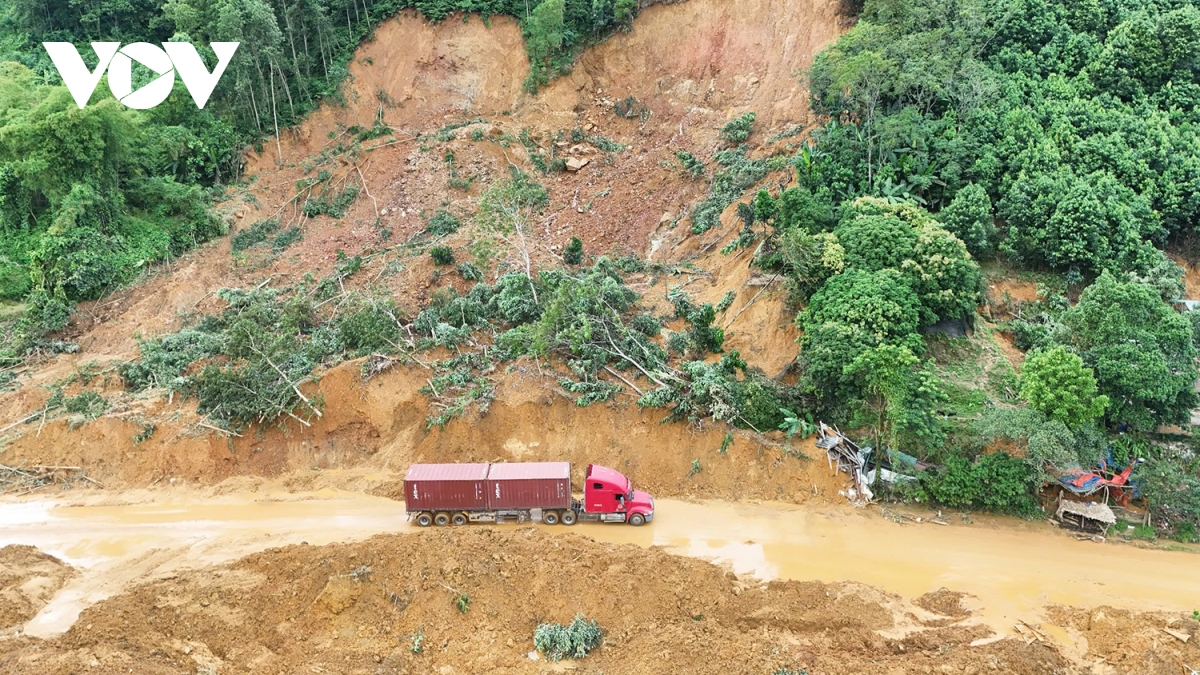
530,470
447,472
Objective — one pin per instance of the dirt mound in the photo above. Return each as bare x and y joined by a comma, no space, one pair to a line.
945,602
1149,643
380,426
390,605
28,579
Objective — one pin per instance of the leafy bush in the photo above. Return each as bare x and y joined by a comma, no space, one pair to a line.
969,217
442,255
573,253
330,204
254,235
738,174
1141,350
690,163
373,326
738,130
702,336
996,482
469,271
87,403
441,223
574,640
1057,383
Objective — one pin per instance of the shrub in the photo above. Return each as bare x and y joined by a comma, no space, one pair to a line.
969,217
441,223
469,271
739,129
88,403
996,481
442,255
573,253
254,235
1057,383
690,163
575,640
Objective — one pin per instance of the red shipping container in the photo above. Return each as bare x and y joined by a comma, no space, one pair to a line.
446,487
529,485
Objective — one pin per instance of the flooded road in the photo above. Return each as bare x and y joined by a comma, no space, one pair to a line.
1013,569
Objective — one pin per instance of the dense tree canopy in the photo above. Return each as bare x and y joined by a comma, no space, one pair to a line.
1078,121
1056,383
1140,349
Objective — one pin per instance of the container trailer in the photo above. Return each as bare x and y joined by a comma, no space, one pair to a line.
457,494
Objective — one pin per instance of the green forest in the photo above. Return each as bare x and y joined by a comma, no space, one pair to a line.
1054,139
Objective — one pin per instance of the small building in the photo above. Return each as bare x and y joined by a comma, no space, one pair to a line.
1085,516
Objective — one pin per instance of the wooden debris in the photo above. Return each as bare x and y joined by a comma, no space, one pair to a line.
18,481
1178,635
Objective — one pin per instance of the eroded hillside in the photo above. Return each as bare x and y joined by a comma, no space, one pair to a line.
458,120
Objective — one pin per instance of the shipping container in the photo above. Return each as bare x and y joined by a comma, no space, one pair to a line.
529,485
446,487
457,494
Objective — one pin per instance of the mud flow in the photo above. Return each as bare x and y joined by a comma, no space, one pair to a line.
1011,572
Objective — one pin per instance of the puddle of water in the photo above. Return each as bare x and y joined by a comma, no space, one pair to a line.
1012,569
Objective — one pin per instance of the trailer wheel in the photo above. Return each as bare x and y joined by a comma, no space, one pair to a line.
424,519
637,520
441,519
568,518
550,517
459,519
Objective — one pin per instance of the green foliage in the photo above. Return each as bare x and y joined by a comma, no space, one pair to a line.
877,235
1075,119
462,602
1044,441
574,640
738,174
702,336
442,255
808,261
1140,349
441,223
1171,480
87,403
969,217
418,644
254,235
726,442
373,325
270,340
573,253
793,424
690,163
995,481
1056,383
329,203
695,468
738,130
469,271
591,392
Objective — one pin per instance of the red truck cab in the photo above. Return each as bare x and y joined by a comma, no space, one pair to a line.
609,494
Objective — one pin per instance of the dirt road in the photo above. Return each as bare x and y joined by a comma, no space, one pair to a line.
1013,569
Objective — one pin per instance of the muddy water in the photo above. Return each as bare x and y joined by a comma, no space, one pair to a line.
1013,569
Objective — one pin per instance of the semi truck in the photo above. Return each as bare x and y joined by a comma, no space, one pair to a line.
457,494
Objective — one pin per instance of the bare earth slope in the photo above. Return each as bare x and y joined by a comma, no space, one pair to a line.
692,66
